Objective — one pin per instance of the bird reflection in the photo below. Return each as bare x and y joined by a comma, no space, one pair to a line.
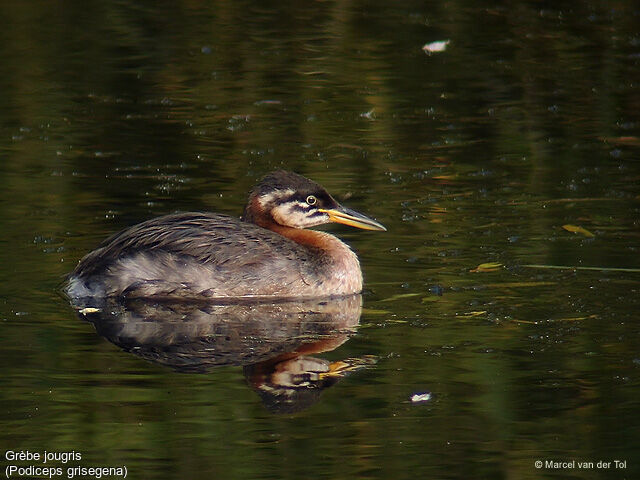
273,342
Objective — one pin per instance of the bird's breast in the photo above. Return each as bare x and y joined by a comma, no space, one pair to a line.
334,269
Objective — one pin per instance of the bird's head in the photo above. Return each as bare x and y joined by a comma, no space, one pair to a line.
291,200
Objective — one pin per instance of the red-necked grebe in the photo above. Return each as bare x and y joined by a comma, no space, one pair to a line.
267,253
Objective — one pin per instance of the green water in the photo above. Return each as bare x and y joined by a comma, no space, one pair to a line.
114,112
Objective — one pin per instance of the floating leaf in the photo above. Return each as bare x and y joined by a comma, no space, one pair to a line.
430,299
578,229
400,296
487,267
518,284
444,177
575,319
576,200
525,321
573,267
374,311
569,319
627,140
472,314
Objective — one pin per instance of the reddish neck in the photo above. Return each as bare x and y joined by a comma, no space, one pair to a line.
308,238
338,270
255,214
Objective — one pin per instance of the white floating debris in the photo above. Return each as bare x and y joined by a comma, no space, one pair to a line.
433,47
420,397
368,115
88,310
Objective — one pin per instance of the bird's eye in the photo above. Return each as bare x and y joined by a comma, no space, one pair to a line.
311,200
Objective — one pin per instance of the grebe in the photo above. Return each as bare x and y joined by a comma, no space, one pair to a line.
267,253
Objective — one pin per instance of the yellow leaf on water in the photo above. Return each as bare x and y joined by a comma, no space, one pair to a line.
626,140
444,177
576,319
373,311
430,299
525,321
578,229
487,267
400,296
574,267
471,314
518,284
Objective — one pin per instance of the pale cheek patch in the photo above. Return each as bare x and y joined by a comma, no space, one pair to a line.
272,197
293,213
290,216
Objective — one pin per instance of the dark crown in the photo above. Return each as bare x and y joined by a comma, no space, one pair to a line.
283,180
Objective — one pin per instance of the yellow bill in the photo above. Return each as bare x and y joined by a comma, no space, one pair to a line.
346,216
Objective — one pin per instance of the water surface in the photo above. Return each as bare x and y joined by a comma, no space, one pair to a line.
114,112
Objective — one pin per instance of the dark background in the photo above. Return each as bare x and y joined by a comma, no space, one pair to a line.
113,112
